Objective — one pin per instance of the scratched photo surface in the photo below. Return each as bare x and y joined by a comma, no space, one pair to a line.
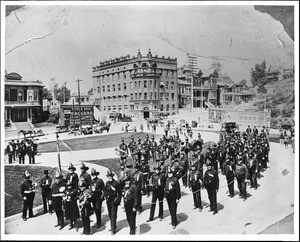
212,64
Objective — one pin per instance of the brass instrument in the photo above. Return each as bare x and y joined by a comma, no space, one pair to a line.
120,152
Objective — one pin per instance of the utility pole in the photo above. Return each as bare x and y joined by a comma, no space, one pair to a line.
64,92
79,101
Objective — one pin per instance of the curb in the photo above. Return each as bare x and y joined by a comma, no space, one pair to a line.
19,215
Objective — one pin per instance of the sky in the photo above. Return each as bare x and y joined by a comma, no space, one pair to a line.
64,42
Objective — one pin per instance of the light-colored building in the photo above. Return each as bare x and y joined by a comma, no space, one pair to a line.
23,99
84,99
184,86
141,86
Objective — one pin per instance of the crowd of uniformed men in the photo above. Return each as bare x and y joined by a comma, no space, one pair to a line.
17,149
154,168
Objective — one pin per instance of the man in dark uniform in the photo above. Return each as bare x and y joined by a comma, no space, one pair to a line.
130,203
10,150
132,148
86,176
113,195
22,152
248,130
97,195
138,181
255,131
123,152
265,154
153,148
145,169
252,166
221,156
195,184
30,152
27,190
46,182
84,200
56,194
241,173
183,166
157,184
138,150
229,173
173,195
211,183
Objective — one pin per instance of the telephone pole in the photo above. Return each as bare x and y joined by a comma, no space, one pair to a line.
79,102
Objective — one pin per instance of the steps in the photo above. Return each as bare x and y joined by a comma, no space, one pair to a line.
23,126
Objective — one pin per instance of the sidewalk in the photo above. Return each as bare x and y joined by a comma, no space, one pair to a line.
273,201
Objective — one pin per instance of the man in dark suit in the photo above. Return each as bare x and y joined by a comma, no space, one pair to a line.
46,183
211,183
27,190
172,194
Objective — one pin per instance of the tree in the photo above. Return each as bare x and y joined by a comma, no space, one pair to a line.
90,92
261,89
47,94
62,94
258,74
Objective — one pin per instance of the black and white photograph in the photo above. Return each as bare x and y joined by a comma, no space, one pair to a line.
150,120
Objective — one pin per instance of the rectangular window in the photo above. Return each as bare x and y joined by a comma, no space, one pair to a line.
131,85
131,96
136,96
145,84
20,96
108,88
167,96
114,87
35,95
167,85
119,87
135,84
103,89
145,95
155,84
150,97
155,96
140,96
139,84
150,83
124,86
173,96
161,96
172,85
13,95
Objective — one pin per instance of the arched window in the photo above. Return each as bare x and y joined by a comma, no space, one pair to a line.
20,96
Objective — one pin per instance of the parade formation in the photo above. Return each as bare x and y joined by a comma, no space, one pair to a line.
160,169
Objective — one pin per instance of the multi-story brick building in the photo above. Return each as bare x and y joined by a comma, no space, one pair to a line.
184,86
23,99
143,86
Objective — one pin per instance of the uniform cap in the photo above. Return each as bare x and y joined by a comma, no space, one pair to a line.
58,175
84,167
72,167
110,173
94,172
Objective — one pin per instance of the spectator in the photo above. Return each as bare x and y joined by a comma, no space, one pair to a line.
286,141
281,138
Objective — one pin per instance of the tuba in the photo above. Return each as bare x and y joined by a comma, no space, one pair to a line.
120,152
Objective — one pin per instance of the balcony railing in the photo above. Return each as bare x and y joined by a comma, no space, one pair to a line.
28,103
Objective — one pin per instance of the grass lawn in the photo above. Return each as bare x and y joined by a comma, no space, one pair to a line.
95,142
14,178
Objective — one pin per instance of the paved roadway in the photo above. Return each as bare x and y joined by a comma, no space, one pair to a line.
273,201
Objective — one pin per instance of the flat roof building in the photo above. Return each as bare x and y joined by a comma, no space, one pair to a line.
141,86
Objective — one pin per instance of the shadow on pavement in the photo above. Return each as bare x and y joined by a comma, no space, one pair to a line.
220,206
144,228
122,224
182,217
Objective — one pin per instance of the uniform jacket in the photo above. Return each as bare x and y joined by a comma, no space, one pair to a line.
27,188
157,180
87,177
113,192
172,188
211,179
72,178
46,182
131,196
241,170
194,178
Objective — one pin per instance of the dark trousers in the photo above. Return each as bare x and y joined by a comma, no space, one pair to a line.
264,162
45,197
166,133
157,194
86,224
184,176
112,213
21,159
130,216
230,182
212,196
253,177
139,194
222,165
97,205
242,186
215,164
60,217
173,210
28,204
10,157
197,195
31,159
